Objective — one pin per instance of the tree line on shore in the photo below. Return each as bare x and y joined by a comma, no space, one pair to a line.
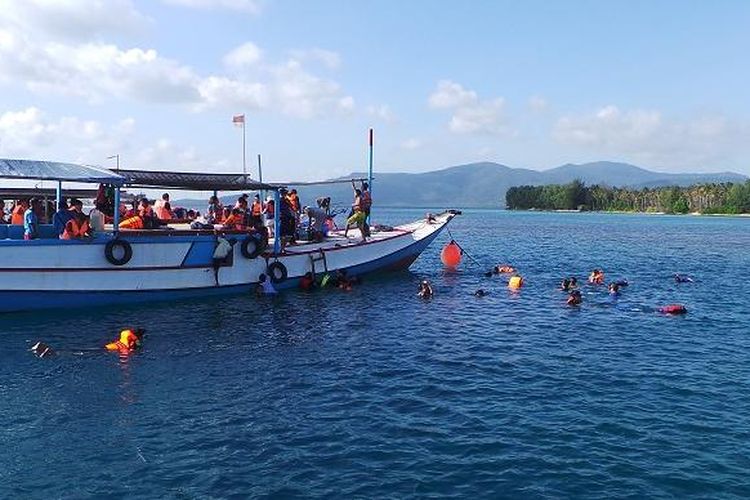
716,198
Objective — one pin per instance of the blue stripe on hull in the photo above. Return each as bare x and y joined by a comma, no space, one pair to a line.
22,300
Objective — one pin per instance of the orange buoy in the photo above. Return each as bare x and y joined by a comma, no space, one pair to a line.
451,255
515,282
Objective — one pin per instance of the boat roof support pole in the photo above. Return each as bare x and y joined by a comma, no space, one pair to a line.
116,216
369,171
58,196
276,222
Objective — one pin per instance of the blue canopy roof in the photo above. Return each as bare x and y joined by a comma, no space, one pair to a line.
56,171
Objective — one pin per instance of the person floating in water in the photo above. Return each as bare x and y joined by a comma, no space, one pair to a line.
596,277
614,289
481,293
425,290
682,278
673,309
575,298
264,286
129,341
503,269
307,282
569,284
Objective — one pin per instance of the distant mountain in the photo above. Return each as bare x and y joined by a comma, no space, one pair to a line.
483,185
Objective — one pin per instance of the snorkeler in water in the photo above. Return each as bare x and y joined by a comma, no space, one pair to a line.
575,298
682,278
425,290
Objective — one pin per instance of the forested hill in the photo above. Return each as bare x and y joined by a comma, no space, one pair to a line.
724,198
483,185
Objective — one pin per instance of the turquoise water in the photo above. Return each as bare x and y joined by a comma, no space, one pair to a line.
374,393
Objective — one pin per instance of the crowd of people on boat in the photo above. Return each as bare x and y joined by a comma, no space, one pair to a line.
297,221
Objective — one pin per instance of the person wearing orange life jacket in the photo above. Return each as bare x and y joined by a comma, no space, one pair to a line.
256,212
76,228
294,201
596,277
16,217
143,220
129,341
162,208
235,221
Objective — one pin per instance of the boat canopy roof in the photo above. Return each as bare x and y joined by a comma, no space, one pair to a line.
192,181
57,171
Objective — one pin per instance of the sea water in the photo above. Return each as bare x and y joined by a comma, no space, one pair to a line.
376,393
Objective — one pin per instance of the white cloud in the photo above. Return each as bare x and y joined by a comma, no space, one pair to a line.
451,95
29,132
537,104
97,71
329,59
647,136
411,144
301,94
72,19
248,6
247,54
471,115
381,112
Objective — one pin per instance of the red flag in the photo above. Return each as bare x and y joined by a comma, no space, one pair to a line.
238,119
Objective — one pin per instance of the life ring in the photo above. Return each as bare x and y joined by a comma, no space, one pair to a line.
277,272
126,249
253,246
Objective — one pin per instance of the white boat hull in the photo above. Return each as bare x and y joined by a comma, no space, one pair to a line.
43,274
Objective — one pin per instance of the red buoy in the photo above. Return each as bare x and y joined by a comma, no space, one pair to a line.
451,255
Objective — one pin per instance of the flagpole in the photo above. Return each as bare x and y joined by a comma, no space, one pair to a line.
244,164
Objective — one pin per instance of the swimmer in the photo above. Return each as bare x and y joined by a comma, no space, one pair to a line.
614,289
481,293
504,269
682,278
574,299
596,277
565,285
622,282
42,350
425,290
673,309
264,286
573,282
129,341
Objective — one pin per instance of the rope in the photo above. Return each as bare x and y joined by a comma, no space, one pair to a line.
462,249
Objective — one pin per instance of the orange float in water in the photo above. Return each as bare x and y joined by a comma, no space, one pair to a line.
451,255
515,282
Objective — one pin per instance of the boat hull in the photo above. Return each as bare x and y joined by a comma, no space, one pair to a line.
177,268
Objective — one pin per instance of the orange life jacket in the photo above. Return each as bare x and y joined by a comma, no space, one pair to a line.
132,223
127,342
235,222
16,217
366,201
161,210
257,209
74,229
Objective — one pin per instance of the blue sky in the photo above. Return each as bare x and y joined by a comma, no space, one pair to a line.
529,84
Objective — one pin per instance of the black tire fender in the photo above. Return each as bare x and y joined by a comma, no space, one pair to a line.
277,272
252,246
110,248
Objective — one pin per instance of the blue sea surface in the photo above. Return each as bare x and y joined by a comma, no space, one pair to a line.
375,393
